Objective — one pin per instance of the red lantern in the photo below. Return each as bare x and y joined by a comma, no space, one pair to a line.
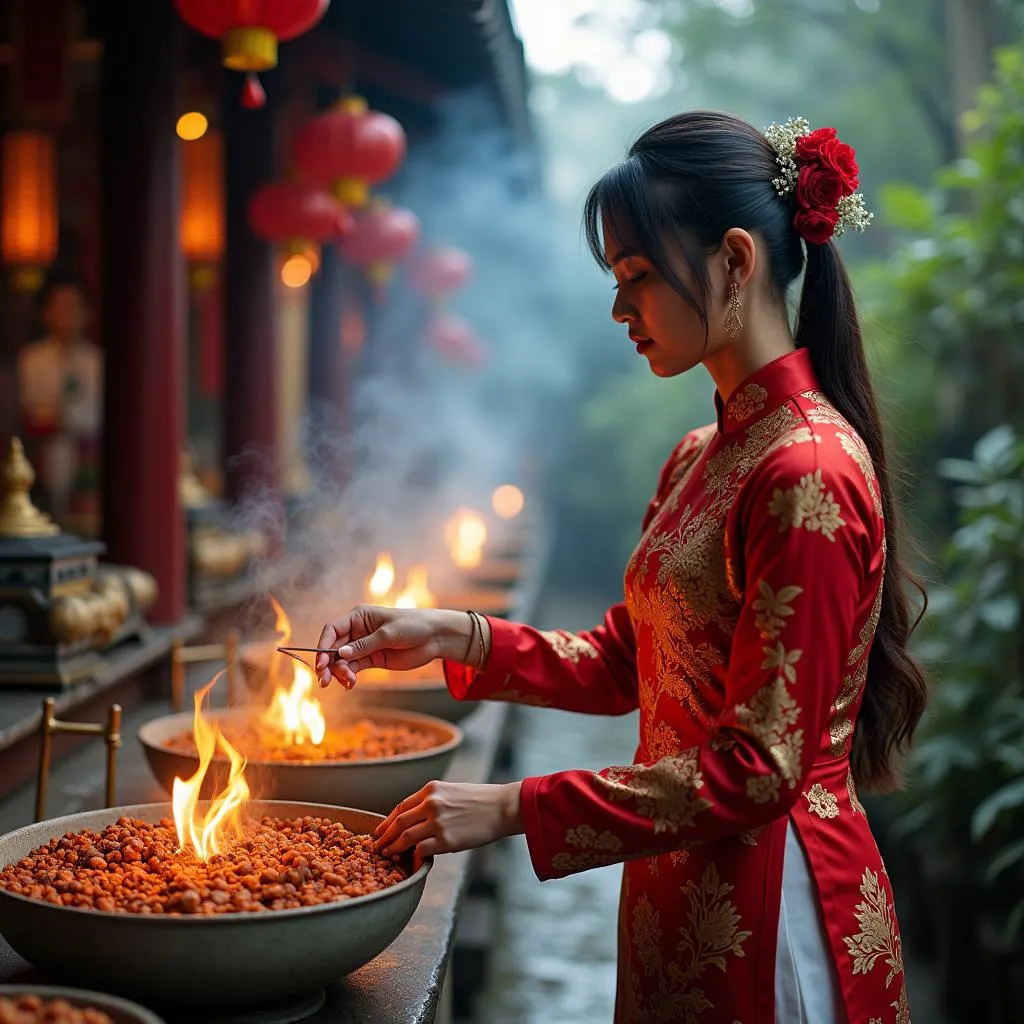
292,211
441,271
349,148
249,31
455,340
383,236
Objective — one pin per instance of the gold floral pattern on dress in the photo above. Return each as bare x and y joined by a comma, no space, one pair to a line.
587,838
747,403
679,857
807,504
877,935
665,792
773,608
749,838
601,849
867,631
854,446
569,645
572,862
840,729
822,410
670,993
646,935
768,716
821,802
662,741
851,792
762,788
902,1006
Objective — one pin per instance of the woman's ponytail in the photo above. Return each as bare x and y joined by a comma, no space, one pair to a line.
895,692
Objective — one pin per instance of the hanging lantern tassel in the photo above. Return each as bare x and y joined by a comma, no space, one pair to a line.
249,33
253,95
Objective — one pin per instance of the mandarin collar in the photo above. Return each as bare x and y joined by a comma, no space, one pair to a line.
766,390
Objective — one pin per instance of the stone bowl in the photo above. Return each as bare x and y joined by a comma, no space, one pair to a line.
463,595
222,960
424,692
494,572
120,1011
376,784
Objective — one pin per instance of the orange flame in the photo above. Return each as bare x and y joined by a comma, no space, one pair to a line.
466,535
378,586
508,501
416,593
293,716
206,835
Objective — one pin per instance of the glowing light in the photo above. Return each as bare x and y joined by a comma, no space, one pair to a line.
508,501
466,535
416,593
296,271
192,126
382,579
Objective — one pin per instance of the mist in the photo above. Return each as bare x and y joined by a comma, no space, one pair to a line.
428,436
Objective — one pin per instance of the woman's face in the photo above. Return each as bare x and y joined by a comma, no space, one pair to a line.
665,328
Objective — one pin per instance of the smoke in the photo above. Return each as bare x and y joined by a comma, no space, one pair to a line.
426,436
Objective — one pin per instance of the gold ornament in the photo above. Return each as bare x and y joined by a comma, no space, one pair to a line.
18,516
733,323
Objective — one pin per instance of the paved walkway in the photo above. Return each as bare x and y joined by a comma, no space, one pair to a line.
553,959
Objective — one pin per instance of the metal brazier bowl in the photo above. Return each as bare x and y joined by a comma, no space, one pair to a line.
376,784
219,960
120,1011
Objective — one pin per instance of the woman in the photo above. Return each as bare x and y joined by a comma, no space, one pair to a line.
764,629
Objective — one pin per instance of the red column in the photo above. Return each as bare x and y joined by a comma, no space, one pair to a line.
250,319
143,300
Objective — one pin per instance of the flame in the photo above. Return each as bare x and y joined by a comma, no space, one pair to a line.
378,586
466,535
294,717
206,836
416,593
508,501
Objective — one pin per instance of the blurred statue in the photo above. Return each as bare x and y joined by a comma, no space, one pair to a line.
60,384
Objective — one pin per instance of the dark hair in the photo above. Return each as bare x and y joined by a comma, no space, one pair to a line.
684,183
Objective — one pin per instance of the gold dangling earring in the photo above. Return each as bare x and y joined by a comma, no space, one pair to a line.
733,323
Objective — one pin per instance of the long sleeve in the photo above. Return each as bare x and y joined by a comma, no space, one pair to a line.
593,671
805,543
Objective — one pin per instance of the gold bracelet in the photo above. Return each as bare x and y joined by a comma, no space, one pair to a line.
472,638
477,619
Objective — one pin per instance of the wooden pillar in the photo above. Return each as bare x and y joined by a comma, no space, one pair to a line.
337,334
143,300
250,354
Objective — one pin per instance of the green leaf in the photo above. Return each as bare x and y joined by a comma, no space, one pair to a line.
1001,613
1014,925
996,448
1005,798
961,471
907,207
1007,857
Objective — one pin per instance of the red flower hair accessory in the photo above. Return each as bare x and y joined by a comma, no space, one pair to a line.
820,172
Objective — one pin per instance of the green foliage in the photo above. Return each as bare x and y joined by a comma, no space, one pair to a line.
968,784
956,287
634,421
835,62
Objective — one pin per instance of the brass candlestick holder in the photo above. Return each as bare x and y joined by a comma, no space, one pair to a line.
182,656
49,725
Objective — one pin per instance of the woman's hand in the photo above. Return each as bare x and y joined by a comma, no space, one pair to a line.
391,638
445,817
